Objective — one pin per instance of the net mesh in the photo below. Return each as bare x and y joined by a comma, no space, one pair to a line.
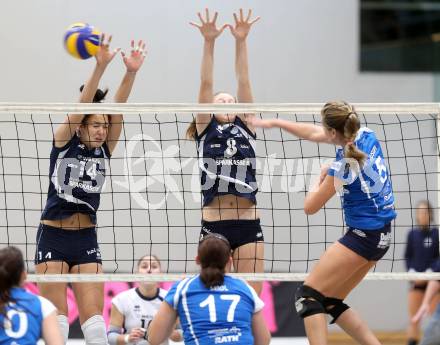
152,202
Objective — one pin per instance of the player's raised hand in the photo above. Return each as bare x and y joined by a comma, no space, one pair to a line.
105,54
208,28
242,25
135,59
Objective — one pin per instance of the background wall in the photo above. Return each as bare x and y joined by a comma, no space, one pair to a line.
300,51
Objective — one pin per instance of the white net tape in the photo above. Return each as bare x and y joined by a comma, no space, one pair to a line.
133,277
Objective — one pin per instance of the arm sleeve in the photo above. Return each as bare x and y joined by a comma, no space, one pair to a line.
113,334
408,250
171,298
338,167
69,143
436,243
258,303
335,168
106,150
47,307
118,303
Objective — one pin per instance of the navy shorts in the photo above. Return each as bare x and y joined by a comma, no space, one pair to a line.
238,232
74,247
417,286
370,244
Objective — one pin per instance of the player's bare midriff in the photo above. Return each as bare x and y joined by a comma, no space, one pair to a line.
76,221
226,207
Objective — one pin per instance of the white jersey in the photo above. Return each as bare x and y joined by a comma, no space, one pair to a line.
137,309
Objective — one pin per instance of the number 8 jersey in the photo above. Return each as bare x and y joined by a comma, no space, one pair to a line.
218,315
367,197
227,160
77,176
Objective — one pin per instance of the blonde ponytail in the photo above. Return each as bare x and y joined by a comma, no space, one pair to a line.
342,117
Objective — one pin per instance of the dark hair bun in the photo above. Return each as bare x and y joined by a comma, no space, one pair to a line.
99,95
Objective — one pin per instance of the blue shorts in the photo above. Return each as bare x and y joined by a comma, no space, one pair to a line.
73,247
238,232
370,244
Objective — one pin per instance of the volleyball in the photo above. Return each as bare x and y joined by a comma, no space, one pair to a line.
81,40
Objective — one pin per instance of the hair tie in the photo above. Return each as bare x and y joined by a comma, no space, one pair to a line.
351,112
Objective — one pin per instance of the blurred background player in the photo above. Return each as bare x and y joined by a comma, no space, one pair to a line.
421,254
24,317
133,309
431,336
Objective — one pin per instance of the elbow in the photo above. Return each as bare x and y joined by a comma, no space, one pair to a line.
264,339
313,203
268,338
153,341
309,209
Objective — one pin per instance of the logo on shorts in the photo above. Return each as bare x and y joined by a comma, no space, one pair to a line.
259,234
385,240
359,233
94,251
205,231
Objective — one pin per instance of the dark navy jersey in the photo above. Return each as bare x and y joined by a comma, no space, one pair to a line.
77,176
25,315
367,199
227,160
422,249
216,315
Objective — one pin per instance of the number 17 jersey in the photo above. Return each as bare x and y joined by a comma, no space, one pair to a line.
218,315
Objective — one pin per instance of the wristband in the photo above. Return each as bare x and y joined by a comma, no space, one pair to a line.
127,339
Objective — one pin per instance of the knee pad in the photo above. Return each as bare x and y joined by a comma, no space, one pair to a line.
63,321
308,301
334,307
94,331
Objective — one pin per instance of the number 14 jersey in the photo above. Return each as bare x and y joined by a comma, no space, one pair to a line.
77,177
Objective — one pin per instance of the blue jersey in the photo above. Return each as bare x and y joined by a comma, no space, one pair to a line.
422,249
367,197
77,176
222,314
227,160
25,317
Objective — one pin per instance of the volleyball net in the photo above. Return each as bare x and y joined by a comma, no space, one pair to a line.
151,202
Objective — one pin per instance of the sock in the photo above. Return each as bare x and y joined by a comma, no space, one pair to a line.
64,326
94,331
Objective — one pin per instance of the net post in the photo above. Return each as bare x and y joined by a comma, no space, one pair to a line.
438,167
